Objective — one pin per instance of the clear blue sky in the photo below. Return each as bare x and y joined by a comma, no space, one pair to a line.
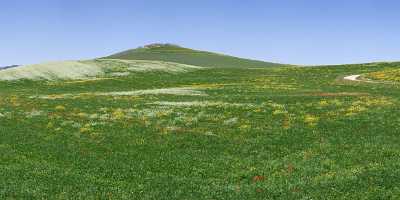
288,31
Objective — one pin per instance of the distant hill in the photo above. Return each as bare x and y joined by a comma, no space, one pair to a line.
178,54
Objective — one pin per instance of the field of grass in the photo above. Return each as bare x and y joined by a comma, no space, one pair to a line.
209,133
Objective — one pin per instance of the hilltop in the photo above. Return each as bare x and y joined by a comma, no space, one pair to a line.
178,54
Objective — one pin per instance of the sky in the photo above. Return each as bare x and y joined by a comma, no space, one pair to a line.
307,32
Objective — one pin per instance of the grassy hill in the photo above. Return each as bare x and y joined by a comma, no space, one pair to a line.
160,130
173,53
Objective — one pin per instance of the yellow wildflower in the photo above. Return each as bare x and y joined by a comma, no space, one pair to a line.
118,114
311,120
85,129
323,103
60,108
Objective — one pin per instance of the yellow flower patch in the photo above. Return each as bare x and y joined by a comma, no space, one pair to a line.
311,120
60,108
85,129
118,114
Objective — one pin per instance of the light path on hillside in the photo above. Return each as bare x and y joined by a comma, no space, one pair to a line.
364,80
352,78
356,78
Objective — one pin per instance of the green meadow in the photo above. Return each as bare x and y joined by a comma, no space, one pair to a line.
172,123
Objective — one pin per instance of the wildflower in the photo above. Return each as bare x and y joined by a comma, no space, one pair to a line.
85,129
286,123
258,178
231,121
278,112
76,125
140,141
323,103
33,113
354,109
94,116
337,102
244,127
60,108
104,117
103,109
82,115
311,120
118,114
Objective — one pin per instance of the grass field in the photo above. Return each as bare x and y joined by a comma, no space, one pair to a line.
204,133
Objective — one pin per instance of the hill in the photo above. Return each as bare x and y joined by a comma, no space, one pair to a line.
175,53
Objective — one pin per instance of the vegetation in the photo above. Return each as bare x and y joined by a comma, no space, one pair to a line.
388,75
174,53
76,70
208,133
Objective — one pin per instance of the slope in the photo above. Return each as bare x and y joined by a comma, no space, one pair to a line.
174,53
72,70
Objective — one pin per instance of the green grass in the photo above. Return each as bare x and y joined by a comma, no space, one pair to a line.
178,54
270,133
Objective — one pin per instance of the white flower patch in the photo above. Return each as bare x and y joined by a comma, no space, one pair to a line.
94,116
173,91
231,121
105,117
201,104
151,112
34,113
6,115
184,91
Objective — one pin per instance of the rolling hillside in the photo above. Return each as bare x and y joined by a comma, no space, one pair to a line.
75,70
174,53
